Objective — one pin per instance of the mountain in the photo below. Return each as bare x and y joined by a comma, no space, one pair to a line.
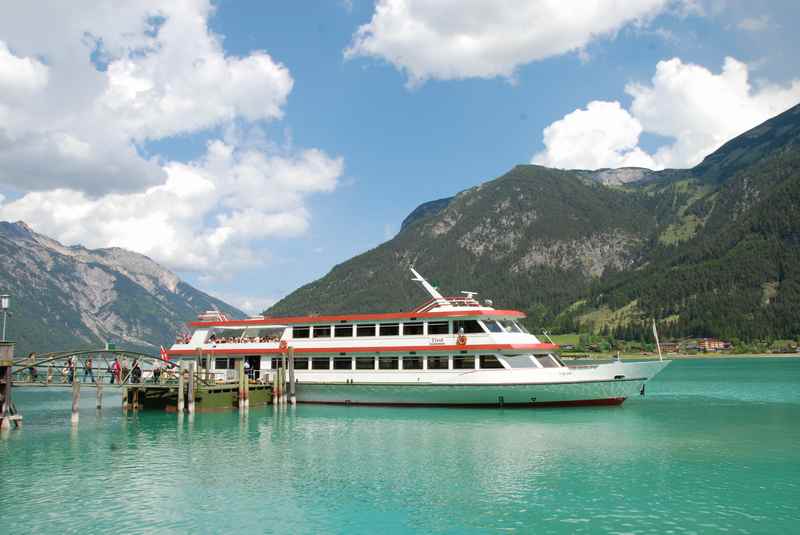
712,250
67,298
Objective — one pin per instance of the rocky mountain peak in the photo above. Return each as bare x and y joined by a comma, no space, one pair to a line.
70,296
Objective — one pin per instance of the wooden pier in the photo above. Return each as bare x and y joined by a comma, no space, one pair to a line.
146,382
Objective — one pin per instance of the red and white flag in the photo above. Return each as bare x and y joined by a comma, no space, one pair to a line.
164,355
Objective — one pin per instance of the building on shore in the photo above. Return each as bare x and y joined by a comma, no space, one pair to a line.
712,344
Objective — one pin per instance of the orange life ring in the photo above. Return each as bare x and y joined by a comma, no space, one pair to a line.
461,340
283,345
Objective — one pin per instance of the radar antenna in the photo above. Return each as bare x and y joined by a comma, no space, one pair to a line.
430,289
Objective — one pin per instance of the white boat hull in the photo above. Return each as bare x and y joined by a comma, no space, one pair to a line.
608,384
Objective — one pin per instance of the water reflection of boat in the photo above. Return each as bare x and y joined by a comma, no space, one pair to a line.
448,351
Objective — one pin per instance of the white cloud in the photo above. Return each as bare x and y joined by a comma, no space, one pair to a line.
203,218
82,89
754,24
20,75
602,135
699,109
455,39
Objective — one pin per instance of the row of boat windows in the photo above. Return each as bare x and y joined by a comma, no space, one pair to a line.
410,362
408,328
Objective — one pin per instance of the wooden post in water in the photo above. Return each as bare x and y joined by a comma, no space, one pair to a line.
240,365
180,387
76,395
6,362
246,388
292,397
192,386
274,377
99,387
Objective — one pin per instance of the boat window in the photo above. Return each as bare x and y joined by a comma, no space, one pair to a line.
438,363
412,363
510,326
388,363
342,363
301,363
410,329
438,327
463,362
493,327
365,329
365,363
301,331
322,331
320,363
221,364
521,327
469,326
490,362
520,361
389,329
277,363
340,331
546,361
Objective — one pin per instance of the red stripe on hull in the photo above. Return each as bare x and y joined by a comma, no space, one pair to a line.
536,405
335,351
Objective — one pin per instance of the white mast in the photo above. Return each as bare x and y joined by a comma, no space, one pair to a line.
431,290
658,345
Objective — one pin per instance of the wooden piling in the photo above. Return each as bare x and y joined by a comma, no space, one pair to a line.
190,394
292,396
136,405
240,364
246,390
181,379
99,388
76,396
5,406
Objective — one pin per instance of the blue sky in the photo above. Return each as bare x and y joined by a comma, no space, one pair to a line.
285,155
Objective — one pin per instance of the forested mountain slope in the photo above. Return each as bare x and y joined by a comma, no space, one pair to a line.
712,250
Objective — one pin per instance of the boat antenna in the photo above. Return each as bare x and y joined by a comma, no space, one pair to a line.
430,289
658,345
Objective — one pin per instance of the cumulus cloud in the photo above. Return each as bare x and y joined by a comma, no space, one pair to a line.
697,108
82,89
203,218
454,39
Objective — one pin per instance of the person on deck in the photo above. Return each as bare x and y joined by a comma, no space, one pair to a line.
71,370
116,370
87,369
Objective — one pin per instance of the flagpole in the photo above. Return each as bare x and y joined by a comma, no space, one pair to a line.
658,345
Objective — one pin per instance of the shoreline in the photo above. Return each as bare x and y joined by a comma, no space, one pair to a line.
674,356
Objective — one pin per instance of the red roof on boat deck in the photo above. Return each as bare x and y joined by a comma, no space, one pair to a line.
291,320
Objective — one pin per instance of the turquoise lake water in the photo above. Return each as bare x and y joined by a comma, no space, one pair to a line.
713,447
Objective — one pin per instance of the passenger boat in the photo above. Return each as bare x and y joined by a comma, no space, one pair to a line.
451,351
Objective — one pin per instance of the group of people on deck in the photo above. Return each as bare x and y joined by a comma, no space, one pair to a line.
117,370
214,339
